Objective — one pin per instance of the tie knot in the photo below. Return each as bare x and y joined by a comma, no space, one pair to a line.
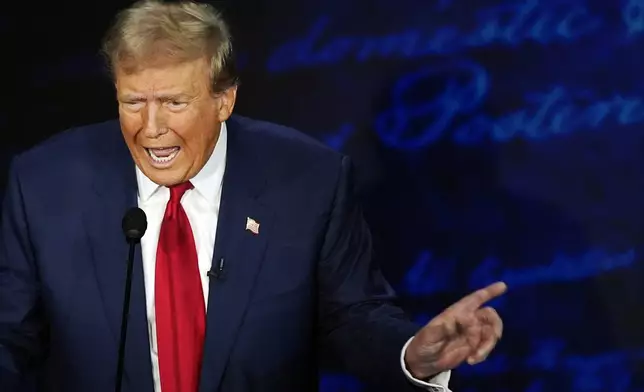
177,191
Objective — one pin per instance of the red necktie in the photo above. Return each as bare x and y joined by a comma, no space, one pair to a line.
179,303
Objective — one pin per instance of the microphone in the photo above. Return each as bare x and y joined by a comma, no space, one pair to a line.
217,271
134,225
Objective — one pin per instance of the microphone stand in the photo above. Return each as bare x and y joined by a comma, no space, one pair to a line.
124,317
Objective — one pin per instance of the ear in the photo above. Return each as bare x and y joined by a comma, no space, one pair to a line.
227,103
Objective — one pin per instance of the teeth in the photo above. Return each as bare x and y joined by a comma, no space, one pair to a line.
158,159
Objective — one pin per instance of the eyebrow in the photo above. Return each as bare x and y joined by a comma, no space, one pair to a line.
163,97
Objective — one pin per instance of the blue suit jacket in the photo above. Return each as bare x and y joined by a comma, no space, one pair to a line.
305,285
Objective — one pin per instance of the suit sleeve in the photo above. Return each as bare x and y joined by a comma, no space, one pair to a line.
359,328
20,322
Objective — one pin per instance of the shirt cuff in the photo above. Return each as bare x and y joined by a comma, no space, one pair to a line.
438,383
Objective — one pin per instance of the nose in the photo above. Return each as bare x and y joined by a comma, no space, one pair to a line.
154,124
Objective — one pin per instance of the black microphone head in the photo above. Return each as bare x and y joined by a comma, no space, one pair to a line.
134,224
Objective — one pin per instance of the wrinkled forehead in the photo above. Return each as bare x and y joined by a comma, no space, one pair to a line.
164,78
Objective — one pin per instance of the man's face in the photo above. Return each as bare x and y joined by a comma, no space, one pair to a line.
170,119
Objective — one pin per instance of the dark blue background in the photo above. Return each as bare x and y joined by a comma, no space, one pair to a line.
495,140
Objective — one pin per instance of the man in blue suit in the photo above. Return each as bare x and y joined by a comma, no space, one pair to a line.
256,257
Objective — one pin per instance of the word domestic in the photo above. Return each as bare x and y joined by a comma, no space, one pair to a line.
510,24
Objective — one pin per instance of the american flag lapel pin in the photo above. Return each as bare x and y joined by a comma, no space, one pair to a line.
252,225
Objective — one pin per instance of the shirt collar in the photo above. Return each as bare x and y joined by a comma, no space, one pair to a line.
207,182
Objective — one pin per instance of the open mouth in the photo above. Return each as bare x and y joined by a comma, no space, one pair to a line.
163,156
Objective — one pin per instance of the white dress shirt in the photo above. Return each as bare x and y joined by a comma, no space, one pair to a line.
202,208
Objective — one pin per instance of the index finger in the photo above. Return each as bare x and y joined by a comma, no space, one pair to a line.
479,297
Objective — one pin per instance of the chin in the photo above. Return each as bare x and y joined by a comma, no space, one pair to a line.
164,177
167,179
163,181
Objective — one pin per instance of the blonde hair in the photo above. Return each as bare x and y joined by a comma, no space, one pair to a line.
152,32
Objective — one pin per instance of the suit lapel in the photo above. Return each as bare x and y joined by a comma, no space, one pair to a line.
241,250
115,185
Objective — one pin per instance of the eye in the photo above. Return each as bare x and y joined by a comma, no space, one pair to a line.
133,105
175,105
